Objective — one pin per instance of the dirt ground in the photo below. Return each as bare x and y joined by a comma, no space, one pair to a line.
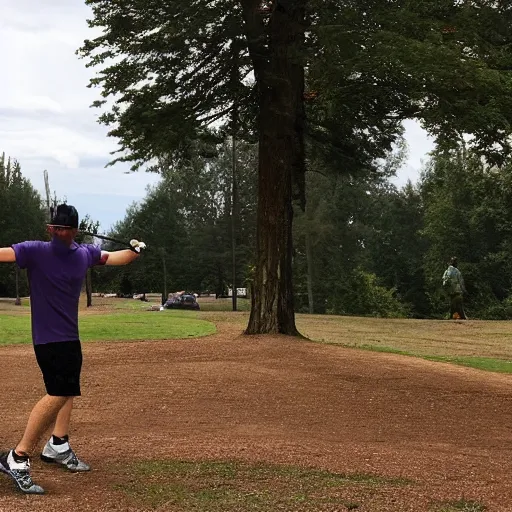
274,399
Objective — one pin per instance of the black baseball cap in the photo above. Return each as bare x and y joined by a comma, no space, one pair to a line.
65,216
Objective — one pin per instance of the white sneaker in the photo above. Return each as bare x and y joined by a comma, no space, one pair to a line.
63,454
20,473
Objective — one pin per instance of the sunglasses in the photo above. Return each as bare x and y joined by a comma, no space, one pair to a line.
58,226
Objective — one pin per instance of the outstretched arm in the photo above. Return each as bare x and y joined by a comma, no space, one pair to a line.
118,257
7,255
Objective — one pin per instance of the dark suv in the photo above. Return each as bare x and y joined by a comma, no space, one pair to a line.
182,302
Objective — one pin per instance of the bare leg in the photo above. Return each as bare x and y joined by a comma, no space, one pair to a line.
61,428
62,452
40,420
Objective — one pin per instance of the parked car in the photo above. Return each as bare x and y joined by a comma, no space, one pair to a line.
185,301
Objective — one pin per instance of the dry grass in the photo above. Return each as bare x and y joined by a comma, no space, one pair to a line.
471,338
476,338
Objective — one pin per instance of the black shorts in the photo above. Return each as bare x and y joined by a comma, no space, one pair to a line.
60,363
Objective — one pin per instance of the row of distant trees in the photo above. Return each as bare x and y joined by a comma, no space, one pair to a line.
362,247
22,217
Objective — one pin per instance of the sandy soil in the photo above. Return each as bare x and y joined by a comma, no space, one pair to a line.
275,399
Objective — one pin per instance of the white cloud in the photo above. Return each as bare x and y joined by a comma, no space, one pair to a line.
30,103
45,119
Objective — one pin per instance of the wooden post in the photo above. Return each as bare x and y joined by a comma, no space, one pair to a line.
48,194
164,266
235,72
18,300
234,209
309,262
88,287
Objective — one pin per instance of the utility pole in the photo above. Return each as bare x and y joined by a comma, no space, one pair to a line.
234,194
48,196
18,300
164,266
234,208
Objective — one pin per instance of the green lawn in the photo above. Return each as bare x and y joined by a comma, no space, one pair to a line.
143,325
486,345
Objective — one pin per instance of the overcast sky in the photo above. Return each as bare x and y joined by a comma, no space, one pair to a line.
46,122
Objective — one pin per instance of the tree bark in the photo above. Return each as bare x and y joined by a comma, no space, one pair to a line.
281,164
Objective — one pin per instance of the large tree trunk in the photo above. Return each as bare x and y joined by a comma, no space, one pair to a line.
281,167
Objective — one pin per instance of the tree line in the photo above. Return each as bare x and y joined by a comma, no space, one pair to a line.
22,217
361,247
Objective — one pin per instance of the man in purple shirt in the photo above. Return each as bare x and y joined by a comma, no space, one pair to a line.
56,271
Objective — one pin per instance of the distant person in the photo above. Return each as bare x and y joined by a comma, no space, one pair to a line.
56,271
453,284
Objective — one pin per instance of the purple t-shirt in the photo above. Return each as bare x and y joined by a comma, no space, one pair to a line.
56,273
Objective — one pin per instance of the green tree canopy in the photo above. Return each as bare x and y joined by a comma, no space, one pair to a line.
185,220
22,217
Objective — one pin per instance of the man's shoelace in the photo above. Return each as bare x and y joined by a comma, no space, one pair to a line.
70,459
23,476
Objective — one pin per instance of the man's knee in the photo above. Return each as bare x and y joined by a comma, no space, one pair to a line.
56,401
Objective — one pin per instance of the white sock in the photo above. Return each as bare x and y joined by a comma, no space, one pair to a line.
59,448
17,465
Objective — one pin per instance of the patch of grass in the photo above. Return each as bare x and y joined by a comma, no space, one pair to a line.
14,329
459,506
126,305
386,350
480,363
230,486
144,325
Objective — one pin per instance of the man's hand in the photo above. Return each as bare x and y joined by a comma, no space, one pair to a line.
137,246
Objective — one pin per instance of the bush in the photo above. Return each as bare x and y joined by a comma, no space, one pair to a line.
362,295
495,311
